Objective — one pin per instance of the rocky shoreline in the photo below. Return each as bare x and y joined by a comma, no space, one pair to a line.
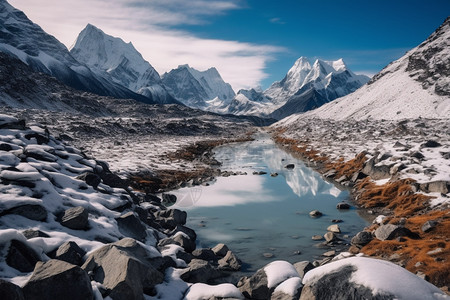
408,229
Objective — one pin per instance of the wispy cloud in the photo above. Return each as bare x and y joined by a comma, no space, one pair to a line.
155,29
277,21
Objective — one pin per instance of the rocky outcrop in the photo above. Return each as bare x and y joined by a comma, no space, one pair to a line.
56,279
125,269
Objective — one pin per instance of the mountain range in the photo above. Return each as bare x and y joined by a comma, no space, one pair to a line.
417,85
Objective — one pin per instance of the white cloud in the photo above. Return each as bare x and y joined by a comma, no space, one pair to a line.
149,25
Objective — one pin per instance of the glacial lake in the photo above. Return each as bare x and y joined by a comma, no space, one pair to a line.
260,214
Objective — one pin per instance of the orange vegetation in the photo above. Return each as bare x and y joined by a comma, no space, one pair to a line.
348,168
414,253
301,149
396,196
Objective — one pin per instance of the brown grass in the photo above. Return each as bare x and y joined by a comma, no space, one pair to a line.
396,196
348,168
414,252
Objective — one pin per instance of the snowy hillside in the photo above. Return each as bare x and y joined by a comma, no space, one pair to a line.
194,88
43,53
416,85
120,62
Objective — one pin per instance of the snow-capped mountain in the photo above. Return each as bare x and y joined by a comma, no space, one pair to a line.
306,87
27,41
416,85
195,88
120,62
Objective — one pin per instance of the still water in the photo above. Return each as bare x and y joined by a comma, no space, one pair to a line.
258,215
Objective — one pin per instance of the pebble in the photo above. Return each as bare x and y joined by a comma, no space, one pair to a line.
268,255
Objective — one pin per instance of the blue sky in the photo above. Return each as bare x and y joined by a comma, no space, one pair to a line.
251,42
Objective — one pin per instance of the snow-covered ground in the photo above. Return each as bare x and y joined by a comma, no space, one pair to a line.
398,142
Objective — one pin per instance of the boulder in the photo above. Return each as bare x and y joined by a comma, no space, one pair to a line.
131,226
70,252
56,279
21,257
169,199
205,254
365,278
230,262
288,290
31,233
178,216
184,241
330,237
90,178
391,231
289,166
186,230
302,267
10,291
343,205
255,287
376,172
113,180
334,228
315,214
430,144
75,218
124,269
361,239
30,211
440,186
200,271
429,225
220,250
357,176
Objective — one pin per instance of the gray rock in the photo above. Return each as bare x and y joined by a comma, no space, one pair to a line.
255,287
357,176
124,268
31,233
343,205
178,216
302,267
169,199
76,218
330,173
185,242
279,295
430,144
113,180
56,279
390,232
230,262
317,237
21,257
186,230
330,237
334,228
289,166
199,271
361,239
220,250
429,225
30,211
338,285
130,226
205,254
10,291
376,172
90,178
315,214
341,179
417,155
70,252
441,186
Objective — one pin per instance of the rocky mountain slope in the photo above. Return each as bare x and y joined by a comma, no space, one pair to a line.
416,85
43,53
304,88
120,62
195,88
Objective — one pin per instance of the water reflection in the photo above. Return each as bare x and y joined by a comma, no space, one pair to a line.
256,214
259,155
